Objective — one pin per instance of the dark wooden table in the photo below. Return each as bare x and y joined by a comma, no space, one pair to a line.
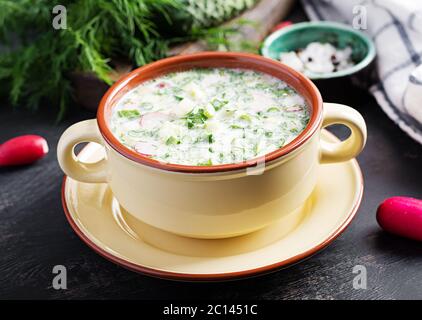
35,236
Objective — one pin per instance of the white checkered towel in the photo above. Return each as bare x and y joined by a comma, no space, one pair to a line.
396,28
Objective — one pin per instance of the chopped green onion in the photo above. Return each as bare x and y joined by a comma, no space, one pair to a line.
172,140
268,134
209,112
193,118
129,114
245,117
283,92
208,163
218,104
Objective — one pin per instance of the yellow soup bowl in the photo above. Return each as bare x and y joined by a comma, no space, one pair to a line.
213,201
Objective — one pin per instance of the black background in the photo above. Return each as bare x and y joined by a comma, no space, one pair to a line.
35,236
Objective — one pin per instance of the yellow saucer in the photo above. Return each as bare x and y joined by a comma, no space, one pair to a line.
97,218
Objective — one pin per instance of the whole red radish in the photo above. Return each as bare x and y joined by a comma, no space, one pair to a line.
401,216
22,150
281,25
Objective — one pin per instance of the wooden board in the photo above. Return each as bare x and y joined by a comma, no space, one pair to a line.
261,19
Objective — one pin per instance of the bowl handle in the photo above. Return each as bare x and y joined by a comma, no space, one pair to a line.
335,113
84,131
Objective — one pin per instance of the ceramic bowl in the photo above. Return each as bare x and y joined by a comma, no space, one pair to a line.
212,201
299,35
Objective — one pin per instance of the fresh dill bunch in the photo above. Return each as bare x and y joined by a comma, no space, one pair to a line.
36,60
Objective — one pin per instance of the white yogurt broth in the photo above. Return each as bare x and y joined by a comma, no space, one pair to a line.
209,116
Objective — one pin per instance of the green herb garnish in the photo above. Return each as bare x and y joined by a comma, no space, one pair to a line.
268,134
218,104
245,117
196,118
129,114
172,140
207,163
262,86
283,92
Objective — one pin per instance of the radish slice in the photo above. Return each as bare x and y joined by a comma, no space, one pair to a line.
145,148
153,119
23,150
162,85
401,216
294,108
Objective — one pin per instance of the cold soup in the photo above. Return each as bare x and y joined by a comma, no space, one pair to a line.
209,116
